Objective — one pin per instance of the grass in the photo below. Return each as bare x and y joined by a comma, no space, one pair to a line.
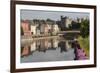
84,43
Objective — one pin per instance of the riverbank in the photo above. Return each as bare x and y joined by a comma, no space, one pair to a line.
84,43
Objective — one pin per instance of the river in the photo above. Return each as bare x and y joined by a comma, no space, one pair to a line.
47,49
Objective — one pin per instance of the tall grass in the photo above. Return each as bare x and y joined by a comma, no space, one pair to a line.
84,43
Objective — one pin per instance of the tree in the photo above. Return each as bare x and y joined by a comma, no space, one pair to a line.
84,29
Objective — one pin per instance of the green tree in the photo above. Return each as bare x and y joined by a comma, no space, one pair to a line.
84,28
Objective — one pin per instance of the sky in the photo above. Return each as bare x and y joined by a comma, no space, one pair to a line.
54,15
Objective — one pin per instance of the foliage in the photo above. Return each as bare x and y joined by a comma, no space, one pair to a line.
84,28
74,26
84,43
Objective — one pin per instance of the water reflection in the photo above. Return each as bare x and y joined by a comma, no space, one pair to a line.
54,49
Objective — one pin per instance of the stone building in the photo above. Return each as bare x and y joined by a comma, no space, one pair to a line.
65,22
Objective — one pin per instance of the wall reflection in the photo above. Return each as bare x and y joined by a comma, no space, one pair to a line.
42,45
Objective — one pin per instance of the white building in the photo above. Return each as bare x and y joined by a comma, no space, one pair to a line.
55,29
33,29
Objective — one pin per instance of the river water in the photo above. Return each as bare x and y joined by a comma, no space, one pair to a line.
47,49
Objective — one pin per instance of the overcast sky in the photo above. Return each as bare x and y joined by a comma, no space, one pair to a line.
54,15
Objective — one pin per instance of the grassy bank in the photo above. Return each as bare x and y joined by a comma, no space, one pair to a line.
84,43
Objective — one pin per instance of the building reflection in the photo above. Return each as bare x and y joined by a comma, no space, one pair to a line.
33,46
55,43
45,44
25,50
62,46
